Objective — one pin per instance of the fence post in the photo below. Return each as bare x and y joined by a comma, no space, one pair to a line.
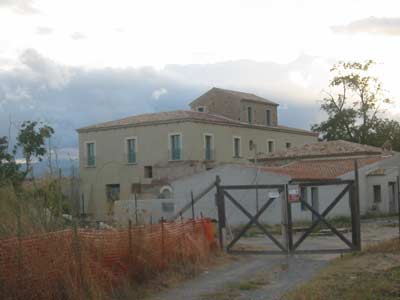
398,201
77,254
219,197
136,211
289,224
19,250
162,240
357,206
130,262
192,203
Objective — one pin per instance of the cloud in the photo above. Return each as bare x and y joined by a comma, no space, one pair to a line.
78,36
49,73
374,25
19,6
44,30
72,97
158,93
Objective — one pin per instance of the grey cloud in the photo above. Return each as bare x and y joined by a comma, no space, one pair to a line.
78,36
44,30
72,97
19,6
374,25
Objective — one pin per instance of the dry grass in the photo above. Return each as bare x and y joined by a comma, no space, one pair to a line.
369,275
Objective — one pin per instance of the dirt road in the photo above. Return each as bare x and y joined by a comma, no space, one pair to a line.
267,277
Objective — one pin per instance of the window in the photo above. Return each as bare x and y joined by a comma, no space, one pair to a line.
208,147
148,172
268,117
175,147
251,145
304,197
249,115
90,154
236,147
270,146
168,207
288,145
201,109
131,150
112,194
377,193
112,191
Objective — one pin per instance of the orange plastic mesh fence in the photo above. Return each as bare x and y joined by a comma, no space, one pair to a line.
59,264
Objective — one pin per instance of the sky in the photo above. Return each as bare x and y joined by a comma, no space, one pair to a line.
75,63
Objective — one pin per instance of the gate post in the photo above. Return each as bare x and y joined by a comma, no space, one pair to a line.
220,201
285,219
289,220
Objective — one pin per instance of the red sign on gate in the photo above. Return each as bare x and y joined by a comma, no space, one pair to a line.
293,193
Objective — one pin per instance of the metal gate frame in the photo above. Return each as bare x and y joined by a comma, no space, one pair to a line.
355,243
351,187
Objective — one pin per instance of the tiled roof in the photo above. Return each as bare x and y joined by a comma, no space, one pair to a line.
233,96
322,149
184,115
321,169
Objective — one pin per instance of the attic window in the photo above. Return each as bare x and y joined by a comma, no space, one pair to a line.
201,109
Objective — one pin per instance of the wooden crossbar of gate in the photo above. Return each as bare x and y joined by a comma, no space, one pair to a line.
355,243
350,187
223,191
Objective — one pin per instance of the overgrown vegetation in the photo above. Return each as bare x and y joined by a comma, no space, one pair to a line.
371,274
28,205
354,104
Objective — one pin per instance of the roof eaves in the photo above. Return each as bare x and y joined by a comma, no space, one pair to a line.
195,120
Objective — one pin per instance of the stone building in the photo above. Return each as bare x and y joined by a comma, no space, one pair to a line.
139,156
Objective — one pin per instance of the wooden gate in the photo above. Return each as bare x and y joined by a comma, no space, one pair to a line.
290,246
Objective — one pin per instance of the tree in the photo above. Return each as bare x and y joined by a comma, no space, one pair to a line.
31,139
9,169
353,105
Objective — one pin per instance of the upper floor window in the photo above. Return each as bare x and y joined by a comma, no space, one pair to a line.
131,150
249,115
201,109
271,146
268,120
90,154
175,141
236,147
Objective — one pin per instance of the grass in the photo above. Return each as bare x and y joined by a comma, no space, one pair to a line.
234,290
371,274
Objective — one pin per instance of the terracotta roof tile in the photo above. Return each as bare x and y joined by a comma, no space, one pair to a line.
233,96
321,169
184,115
322,149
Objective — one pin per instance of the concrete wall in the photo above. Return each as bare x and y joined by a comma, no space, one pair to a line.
152,150
391,166
233,175
239,174
148,211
